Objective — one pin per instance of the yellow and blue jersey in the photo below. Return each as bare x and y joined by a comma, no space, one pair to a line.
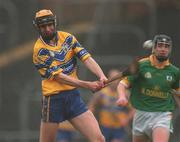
61,58
110,115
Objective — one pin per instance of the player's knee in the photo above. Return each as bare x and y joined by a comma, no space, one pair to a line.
100,138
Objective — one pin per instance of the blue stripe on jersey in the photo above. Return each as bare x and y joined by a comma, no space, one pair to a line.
69,40
43,51
49,71
46,64
82,53
66,46
67,68
76,44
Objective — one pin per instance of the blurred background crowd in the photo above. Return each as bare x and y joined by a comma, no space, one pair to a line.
112,30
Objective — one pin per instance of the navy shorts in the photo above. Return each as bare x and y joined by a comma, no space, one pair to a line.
63,106
113,133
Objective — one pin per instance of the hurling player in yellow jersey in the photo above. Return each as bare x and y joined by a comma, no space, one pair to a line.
55,56
113,120
152,90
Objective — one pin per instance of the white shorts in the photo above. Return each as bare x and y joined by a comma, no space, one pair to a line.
144,122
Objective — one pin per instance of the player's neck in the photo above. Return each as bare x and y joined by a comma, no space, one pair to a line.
160,62
53,42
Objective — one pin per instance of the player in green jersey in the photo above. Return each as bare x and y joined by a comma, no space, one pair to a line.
152,93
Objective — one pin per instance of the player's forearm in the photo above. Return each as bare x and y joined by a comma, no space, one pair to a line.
121,89
94,67
122,96
62,78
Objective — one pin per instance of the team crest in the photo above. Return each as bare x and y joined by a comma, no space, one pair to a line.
169,78
148,75
65,48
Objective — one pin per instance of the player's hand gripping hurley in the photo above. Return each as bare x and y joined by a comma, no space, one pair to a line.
130,70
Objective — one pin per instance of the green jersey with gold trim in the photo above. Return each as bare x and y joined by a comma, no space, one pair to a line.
152,87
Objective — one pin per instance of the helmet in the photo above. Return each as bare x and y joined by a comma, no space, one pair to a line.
162,39
44,17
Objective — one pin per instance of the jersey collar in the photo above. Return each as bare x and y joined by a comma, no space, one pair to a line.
158,65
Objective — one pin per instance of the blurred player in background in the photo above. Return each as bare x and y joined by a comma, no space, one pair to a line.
113,119
152,93
55,56
66,132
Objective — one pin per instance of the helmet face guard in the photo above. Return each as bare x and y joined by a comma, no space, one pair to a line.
165,40
162,39
45,20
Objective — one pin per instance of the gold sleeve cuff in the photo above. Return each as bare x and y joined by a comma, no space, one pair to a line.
125,82
85,57
178,92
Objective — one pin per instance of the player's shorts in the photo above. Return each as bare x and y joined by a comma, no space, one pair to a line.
144,122
113,133
63,106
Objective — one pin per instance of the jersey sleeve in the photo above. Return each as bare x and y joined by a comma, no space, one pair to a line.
45,64
127,81
80,51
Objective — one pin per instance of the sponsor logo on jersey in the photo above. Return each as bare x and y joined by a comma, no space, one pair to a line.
65,48
148,75
157,88
156,92
169,78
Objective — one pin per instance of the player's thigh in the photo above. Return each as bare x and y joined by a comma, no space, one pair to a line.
160,134
140,138
162,127
87,124
48,131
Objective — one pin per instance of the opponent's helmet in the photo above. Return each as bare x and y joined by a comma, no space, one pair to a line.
44,17
162,39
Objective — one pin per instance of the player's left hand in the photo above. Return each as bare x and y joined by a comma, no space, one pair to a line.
122,101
